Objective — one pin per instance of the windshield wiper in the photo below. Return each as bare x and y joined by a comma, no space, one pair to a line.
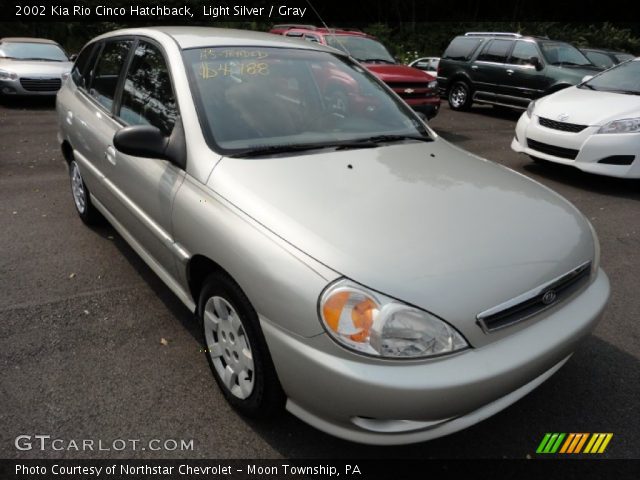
273,149
628,92
377,139
571,64
40,59
368,142
590,87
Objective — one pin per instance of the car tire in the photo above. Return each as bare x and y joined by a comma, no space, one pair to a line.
81,196
459,96
236,349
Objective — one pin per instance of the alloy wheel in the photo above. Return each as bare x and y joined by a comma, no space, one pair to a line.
228,347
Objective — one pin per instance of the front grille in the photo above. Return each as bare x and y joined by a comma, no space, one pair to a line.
41,84
565,127
414,85
561,152
534,301
420,90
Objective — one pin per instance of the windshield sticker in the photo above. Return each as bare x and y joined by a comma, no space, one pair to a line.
226,69
212,53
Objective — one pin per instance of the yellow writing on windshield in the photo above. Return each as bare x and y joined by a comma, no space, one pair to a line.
225,69
211,53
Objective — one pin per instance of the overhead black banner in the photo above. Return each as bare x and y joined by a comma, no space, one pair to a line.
314,11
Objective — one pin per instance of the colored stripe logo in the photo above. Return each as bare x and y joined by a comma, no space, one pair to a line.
574,443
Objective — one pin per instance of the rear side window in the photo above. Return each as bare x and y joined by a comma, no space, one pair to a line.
461,48
495,51
147,97
81,72
522,53
107,71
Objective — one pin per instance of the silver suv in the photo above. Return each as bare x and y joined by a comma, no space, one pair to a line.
384,285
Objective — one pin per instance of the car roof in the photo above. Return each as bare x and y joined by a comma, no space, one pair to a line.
284,28
27,40
505,36
194,37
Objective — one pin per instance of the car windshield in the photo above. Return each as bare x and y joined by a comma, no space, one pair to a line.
559,53
33,51
362,48
624,78
623,57
286,98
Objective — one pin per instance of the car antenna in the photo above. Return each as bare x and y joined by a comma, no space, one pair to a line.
317,14
344,47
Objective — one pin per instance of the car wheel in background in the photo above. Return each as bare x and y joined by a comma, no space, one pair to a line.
236,349
460,96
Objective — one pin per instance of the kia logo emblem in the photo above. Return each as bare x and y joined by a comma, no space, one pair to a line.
549,297
563,116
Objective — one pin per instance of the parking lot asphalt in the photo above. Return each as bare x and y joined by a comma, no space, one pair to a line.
94,346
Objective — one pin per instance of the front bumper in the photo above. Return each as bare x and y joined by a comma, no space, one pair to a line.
15,88
592,147
388,402
428,106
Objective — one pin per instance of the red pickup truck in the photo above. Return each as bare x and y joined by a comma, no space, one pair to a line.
416,87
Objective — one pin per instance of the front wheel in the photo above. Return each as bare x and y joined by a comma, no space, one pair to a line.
460,96
236,349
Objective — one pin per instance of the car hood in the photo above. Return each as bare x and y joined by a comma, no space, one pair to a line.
37,68
398,73
426,223
588,107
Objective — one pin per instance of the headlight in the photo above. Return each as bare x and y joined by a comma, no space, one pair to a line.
626,125
5,75
530,108
433,84
372,323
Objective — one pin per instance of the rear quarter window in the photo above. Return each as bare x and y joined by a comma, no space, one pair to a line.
461,48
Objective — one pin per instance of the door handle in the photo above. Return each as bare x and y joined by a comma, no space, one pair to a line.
509,72
474,67
110,155
69,117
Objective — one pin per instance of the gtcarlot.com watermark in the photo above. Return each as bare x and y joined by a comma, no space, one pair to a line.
48,443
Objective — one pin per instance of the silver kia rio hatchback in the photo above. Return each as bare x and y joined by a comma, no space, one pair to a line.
344,261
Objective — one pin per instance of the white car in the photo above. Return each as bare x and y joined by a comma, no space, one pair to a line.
428,64
594,126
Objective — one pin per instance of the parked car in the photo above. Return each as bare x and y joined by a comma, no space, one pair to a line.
419,89
32,66
594,126
428,64
384,285
507,69
605,58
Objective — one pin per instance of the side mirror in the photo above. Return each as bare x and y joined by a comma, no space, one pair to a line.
148,141
73,57
141,141
535,61
586,78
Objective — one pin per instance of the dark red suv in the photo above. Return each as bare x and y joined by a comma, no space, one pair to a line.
416,87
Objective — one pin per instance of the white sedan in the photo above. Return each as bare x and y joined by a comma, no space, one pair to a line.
594,126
